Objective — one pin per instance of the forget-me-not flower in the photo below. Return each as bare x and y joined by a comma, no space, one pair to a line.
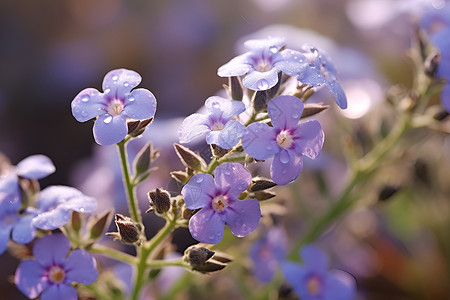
114,105
313,281
217,124
261,64
287,141
218,199
51,273
55,204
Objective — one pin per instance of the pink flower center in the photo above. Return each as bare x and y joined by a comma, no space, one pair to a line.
56,274
285,139
263,65
217,126
220,203
313,285
115,107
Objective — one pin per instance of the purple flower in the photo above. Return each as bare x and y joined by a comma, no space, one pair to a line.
51,273
9,207
55,204
261,64
321,71
220,129
218,199
267,253
287,141
114,105
312,281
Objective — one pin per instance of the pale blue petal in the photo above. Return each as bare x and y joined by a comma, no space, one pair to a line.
242,216
293,63
51,249
199,191
24,232
118,83
60,291
52,219
338,93
226,108
30,278
109,129
309,139
339,285
296,276
88,104
445,97
81,204
10,184
285,111
314,258
81,267
53,195
232,179
206,226
140,104
275,43
237,66
286,166
259,141
35,167
228,137
5,233
260,81
192,127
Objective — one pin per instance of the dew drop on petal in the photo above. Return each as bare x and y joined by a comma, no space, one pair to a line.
268,147
81,209
107,91
262,84
211,236
107,120
295,115
284,172
216,105
131,98
83,113
85,98
126,83
115,77
200,180
284,157
244,228
227,172
273,49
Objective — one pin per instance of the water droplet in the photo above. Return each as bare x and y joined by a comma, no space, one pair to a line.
268,147
85,98
114,82
83,113
216,105
244,228
115,77
81,209
200,180
107,120
126,83
262,84
273,49
284,157
131,98
315,51
107,91
211,236
295,115
284,172
227,172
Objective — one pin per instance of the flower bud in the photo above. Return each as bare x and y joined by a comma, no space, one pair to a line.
159,200
99,224
218,151
235,88
387,192
264,195
180,176
431,63
137,127
189,158
128,230
260,184
260,101
312,108
201,260
187,213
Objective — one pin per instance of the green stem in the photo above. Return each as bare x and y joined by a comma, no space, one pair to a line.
132,205
113,253
156,264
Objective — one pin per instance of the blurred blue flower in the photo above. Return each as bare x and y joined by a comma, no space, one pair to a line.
55,204
114,105
220,129
218,199
313,281
9,207
51,274
261,64
287,141
267,253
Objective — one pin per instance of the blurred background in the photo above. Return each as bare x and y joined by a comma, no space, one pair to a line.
51,50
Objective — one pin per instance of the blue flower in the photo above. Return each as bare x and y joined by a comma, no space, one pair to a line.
218,199
114,105
287,141
321,71
313,281
220,129
261,64
9,207
55,204
267,253
51,274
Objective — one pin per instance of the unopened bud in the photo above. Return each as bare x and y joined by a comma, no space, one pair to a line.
189,158
260,184
387,192
312,109
201,260
260,101
100,224
235,88
159,200
137,127
128,231
264,195
187,213
180,176
199,255
272,92
431,63
218,151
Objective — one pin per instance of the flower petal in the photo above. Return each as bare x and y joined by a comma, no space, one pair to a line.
140,104
81,267
309,140
81,204
52,219
232,178
339,285
224,107
110,130
60,291
53,195
23,231
272,42
314,258
119,82
206,226
286,166
30,279
338,93
243,216
237,66
10,184
5,233
296,276
260,81
51,249
285,111
228,137
35,167
199,191
192,127
293,62
445,97
88,104
259,141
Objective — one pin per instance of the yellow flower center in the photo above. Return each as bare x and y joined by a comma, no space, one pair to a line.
56,274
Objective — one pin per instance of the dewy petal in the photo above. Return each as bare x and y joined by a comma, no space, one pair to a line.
232,178
54,195
314,258
311,76
81,204
275,43
286,166
88,104
259,141
228,137
51,249
242,216
293,63
285,111
30,278
237,66
226,108
60,291
339,285
109,129
24,232
5,233
119,82
199,191
260,81
35,167
192,127
445,97
10,184
81,267
140,104
206,226
338,93
295,275
310,139
52,219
